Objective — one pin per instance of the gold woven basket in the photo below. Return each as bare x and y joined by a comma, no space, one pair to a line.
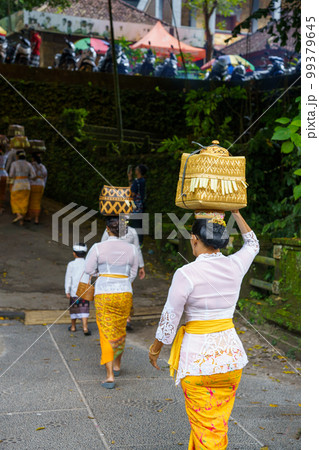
212,180
16,130
37,146
116,200
19,142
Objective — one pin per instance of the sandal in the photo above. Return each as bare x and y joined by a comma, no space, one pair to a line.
70,329
117,373
108,385
87,333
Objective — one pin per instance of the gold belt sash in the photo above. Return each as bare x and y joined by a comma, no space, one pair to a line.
195,327
20,178
112,275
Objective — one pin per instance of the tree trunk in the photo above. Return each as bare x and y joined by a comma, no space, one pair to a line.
209,37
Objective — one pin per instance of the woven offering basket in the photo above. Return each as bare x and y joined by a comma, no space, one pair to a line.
19,142
36,146
116,200
212,180
16,130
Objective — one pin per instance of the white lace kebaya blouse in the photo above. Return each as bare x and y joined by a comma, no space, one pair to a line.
113,256
208,289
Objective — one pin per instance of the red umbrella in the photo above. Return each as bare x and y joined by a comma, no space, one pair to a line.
99,45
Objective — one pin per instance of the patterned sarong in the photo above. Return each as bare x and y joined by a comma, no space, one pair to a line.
209,400
35,200
112,311
79,308
3,188
19,201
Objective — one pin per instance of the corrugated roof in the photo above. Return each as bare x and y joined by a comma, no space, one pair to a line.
98,9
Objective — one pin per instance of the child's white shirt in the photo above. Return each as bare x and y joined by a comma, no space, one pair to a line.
75,274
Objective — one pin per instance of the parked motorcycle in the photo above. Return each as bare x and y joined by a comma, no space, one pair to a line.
22,52
276,68
86,61
168,69
3,48
219,71
66,60
147,67
238,74
106,63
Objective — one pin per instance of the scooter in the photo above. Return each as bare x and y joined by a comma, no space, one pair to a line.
66,60
238,74
276,68
168,69
147,67
22,52
3,49
219,71
86,61
106,63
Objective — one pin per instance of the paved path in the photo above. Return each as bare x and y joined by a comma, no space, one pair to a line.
51,398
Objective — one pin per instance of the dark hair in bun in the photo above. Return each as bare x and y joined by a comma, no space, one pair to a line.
114,225
211,234
143,169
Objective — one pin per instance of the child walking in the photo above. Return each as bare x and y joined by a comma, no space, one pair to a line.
79,308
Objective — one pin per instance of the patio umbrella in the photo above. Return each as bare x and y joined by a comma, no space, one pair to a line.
230,59
99,45
2,31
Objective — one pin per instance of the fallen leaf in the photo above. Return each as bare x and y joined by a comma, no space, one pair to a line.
40,428
89,417
240,332
257,346
273,405
173,432
73,345
180,443
250,349
113,442
255,403
288,371
76,359
169,399
159,410
262,428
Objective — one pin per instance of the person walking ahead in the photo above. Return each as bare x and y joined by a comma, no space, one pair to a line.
207,356
116,262
21,172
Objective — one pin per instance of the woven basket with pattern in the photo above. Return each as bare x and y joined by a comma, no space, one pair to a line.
37,146
212,180
115,200
19,142
15,130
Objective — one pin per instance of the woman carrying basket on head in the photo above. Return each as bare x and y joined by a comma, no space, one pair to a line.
207,356
116,262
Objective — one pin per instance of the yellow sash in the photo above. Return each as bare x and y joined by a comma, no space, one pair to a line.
195,327
112,275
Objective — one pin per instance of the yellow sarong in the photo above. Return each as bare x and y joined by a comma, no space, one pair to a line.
112,311
35,200
209,399
19,201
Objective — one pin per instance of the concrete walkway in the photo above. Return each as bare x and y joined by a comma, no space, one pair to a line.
51,398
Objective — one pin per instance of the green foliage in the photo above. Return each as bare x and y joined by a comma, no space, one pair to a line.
288,25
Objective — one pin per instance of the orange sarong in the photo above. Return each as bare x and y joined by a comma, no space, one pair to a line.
112,311
35,200
19,201
209,400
